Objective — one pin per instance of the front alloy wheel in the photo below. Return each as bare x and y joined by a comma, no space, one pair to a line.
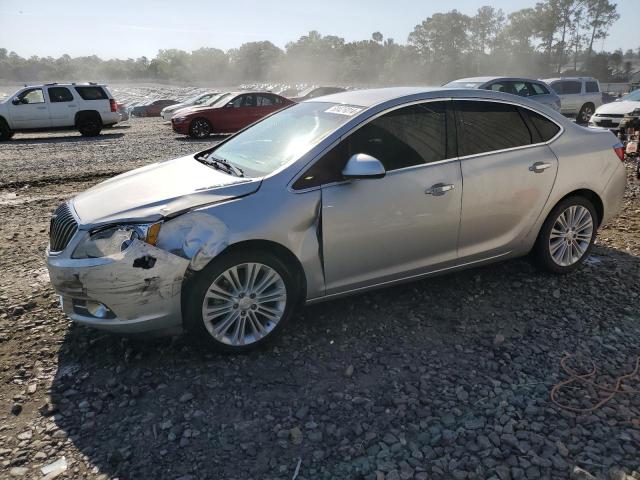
199,128
241,300
244,304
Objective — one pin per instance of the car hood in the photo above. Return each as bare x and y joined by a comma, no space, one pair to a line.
173,108
162,189
189,110
626,106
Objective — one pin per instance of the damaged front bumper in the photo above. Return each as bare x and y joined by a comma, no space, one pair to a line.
139,288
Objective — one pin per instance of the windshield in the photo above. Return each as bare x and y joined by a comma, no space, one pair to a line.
632,97
463,84
203,99
284,136
213,101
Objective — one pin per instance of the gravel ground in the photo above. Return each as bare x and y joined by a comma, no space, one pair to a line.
446,378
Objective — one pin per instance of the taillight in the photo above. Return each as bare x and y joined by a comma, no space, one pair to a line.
114,105
619,149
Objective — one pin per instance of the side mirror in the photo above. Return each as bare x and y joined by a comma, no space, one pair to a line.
16,101
362,165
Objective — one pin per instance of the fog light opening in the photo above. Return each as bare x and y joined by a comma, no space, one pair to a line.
97,309
94,309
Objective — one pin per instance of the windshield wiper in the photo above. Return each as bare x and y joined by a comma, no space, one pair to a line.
221,164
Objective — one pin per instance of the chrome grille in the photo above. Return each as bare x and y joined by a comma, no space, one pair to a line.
62,227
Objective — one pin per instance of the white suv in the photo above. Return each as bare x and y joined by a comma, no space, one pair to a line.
86,107
579,96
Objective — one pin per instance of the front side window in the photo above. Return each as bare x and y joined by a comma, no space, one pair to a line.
592,87
409,136
521,89
33,95
489,126
500,87
60,94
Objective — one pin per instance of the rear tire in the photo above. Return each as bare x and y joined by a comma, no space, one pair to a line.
566,237
89,124
585,113
199,128
240,305
5,132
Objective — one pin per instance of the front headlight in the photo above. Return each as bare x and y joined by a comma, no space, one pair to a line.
112,240
635,113
179,119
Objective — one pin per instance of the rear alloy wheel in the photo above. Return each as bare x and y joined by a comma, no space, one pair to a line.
240,301
567,235
89,125
585,113
199,128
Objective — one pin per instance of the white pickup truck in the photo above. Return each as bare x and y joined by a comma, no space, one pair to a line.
86,107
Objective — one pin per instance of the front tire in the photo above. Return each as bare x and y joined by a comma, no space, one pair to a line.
567,236
585,113
240,301
199,128
5,132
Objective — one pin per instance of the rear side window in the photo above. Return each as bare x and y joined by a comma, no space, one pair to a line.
567,87
489,126
92,93
264,100
60,94
592,87
538,89
545,127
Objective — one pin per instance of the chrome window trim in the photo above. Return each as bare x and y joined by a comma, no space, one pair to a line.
417,102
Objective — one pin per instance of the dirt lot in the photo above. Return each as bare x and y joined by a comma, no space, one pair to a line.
444,378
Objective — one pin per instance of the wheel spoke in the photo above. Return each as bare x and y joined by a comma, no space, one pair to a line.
273,296
253,270
258,329
270,277
269,313
221,328
219,310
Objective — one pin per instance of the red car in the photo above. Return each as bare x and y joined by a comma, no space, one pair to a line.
230,113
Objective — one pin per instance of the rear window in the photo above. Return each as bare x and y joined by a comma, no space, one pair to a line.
92,93
592,87
546,128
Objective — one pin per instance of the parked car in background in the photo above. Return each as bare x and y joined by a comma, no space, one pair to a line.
331,197
580,96
314,92
523,87
58,106
152,108
203,106
610,114
167,112
228,114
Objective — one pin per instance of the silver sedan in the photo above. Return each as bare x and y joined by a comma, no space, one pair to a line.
333,196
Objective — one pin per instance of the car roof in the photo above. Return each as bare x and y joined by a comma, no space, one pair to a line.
376,96
489,79
555,79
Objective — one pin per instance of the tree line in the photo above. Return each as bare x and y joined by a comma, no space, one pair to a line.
552,37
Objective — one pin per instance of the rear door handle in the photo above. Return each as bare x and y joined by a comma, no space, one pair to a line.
539,167
439,189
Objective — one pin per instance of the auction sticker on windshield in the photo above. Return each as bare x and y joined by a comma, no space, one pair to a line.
344,110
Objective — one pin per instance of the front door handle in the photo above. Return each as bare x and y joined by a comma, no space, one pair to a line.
42,108
439,189
539,167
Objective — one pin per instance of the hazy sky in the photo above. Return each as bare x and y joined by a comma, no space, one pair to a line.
132,28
